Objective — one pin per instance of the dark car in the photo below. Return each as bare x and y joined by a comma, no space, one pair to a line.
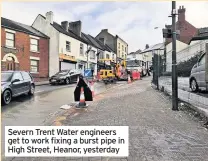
65,77
15,83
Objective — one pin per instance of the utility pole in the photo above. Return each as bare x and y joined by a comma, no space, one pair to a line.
174,61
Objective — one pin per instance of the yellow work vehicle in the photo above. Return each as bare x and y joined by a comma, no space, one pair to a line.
107,76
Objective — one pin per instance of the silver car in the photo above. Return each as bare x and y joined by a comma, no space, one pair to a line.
197,78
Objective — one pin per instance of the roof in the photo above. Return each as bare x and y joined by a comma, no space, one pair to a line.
202,34
99,43
159,46
63,31
92,41
16,26
68,33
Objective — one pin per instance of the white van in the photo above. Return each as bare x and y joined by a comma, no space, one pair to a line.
197,79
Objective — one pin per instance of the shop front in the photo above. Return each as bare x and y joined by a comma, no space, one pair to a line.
67,62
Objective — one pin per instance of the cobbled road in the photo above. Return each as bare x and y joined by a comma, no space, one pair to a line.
156,133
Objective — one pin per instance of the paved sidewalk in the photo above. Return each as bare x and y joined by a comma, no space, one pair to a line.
156,132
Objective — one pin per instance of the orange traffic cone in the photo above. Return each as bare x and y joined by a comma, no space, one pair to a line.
82,98
92,89
129,79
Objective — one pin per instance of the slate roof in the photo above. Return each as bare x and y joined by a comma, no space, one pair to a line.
99,43
63,31
159,46
69,33
16,26
202,34
91,40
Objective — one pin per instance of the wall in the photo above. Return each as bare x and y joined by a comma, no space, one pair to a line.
119,54
179,47
45,27
108,39
75,46
23,56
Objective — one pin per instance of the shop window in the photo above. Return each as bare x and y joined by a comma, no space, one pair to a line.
34,66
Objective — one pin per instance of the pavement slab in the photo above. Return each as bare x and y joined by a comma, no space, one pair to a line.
156,133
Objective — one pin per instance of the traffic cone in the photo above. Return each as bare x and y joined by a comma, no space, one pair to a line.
92,89
129,79
82,99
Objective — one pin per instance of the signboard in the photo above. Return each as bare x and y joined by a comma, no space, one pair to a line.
206,63
88,73
67,57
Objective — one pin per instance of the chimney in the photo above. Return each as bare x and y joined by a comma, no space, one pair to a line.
105,30
76,27
181,14
65,25
49,17
147,46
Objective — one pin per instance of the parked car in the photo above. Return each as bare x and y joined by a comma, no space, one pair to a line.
15,83
197,78
65,77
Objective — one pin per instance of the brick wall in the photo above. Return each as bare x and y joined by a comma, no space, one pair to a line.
23,56
187,30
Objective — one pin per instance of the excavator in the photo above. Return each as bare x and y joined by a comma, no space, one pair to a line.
118,73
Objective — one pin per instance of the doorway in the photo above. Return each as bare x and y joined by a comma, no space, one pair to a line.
10,63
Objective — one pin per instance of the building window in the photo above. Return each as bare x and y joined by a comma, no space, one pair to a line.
125,49
119,45
34,66
68,46
101,39
10,39
92,54
81,49
101,55
122,48
34,45
122,54
107,56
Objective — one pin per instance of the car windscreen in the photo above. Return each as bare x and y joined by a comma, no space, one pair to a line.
63,72
5,77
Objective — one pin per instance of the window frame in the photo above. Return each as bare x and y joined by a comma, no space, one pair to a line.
81,51
34,65
10,39
69,50
92,52
202,58
34,45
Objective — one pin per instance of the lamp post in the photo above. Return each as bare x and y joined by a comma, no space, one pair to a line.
174,61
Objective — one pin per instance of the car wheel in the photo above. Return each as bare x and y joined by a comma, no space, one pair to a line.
67,81
7,97
32,90
194,86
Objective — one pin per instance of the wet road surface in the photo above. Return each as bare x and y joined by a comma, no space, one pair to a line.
41,108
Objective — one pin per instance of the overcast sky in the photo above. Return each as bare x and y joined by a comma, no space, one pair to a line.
132,21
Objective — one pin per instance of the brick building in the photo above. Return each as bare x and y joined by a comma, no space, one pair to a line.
187,30
24,48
